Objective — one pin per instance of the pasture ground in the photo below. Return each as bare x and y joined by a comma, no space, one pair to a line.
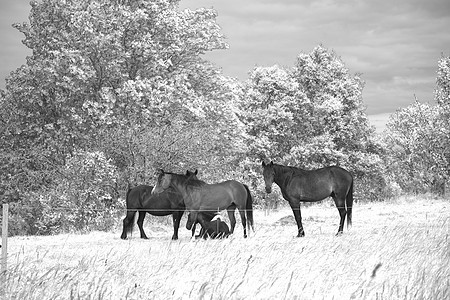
395,250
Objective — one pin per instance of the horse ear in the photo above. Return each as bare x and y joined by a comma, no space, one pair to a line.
271,163
263,164
195,172
159,172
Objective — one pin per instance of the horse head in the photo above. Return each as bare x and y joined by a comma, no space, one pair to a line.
164,179
162,182
269,175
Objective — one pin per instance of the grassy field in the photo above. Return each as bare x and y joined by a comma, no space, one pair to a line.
396,250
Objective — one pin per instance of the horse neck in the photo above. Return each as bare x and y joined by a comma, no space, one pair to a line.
180,186
281,175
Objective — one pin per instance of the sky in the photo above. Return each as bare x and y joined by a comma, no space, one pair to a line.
395,44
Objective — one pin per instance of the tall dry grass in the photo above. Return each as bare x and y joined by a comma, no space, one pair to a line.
395,250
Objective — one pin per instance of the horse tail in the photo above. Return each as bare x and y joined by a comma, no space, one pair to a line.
130,225
128,193
249,209
349,204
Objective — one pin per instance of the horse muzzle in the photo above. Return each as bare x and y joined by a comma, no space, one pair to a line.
268,189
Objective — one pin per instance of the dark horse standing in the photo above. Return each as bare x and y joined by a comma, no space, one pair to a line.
299,185
140,199
200,197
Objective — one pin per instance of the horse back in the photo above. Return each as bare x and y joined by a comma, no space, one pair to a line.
137,194
221,195
341,175
315,185
224,187
141,197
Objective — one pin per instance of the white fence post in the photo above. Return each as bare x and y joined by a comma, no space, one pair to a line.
4,238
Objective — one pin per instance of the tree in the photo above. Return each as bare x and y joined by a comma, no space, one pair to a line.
85,72
274,110
417,141
87,76
407,132
442,97
443,82
336,98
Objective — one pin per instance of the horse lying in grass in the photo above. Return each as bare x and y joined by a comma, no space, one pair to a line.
213,228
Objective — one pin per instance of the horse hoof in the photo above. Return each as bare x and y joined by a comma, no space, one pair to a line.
301,234
174,238
339,233
144,237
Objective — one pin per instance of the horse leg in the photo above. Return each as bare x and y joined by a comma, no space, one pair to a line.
201,233
192,219
140,223
244,221
193,229
340,204
232,218
127,223
176,217
298,217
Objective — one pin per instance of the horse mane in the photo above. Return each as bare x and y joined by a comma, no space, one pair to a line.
189,181
195,182
288,172
291,168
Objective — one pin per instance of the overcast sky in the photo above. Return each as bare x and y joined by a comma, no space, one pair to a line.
394,44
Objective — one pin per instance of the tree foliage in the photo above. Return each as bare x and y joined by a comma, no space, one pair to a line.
409,140
417,140
443,100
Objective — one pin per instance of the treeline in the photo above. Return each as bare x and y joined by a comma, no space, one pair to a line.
114,90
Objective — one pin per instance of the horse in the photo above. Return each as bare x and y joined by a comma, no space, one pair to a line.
298,185
200,196
140,199
207,216
215,229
